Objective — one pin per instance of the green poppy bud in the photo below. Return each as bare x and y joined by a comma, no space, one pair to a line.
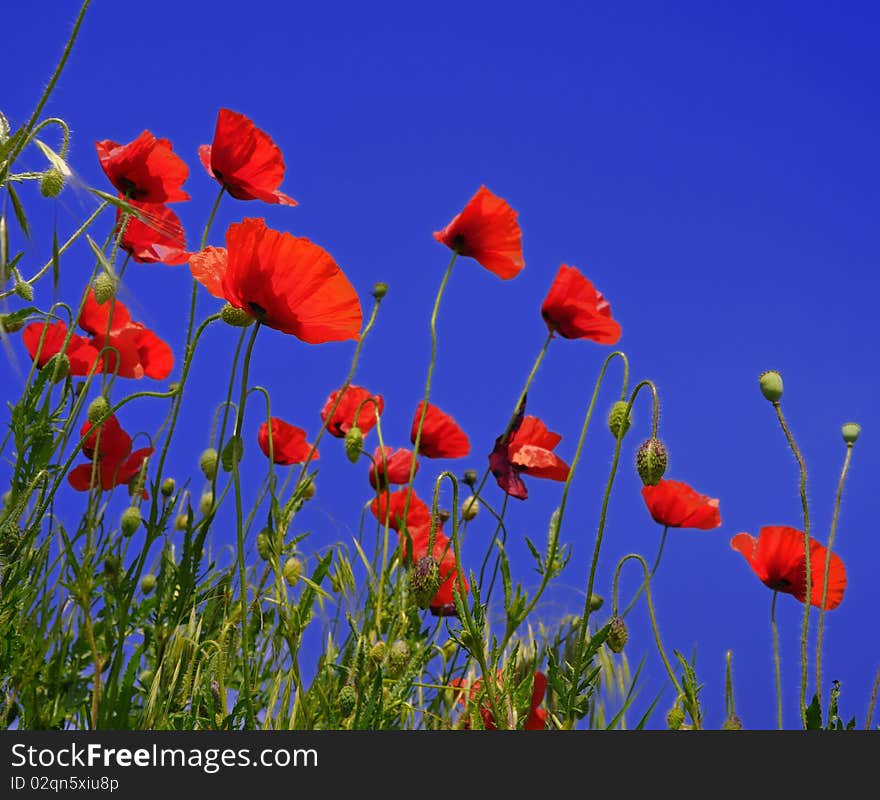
58,366
206,503
181,521
398,658
732,723
24,290
309,490
264,544
470,508
377,652
8,324
208,463
651,461
131,520
470,477
292,570
233,451
347,699
618,420
424,579
99,409
354,443
771,385
596,602
168,486
52,182
675,718
617,635
148,583
105,288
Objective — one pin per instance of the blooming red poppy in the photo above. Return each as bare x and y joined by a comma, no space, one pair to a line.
393,468
574,309
156,236
392,505
676,505
289,445
778,559
343,419
110,446
442,603
441,436
284,281
81,354
146,169
526,450
487,231
537,717
245,160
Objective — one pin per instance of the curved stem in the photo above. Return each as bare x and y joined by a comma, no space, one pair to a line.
776,665
638,594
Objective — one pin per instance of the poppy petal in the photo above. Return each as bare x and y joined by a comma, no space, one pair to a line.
441,435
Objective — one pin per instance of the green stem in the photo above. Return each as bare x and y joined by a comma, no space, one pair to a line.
873,701
776,665
654,569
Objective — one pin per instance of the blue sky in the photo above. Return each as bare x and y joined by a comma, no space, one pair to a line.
712,168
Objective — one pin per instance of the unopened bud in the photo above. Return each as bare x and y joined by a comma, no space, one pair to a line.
181,521
52,182
651,461
233,451
112,565
347,699
309,490
105,288
354,443
675,718
470,508
99,409
380,290
618,419
470,477
24,290
264,544
58,366
617,635
292,570
732,723
208,463
596,602
131,520
850,432
771,385
237,317
398,658
148,583
424,579
206,503
9,324
168,487
377,652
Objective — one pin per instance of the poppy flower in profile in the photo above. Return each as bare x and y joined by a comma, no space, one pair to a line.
245,160
156,236
574,309
81,354
283,281
537,717
110,446
392,469
391,505
778,559
441,436
526,450
289,445
342,419
487,231
676,505
146,169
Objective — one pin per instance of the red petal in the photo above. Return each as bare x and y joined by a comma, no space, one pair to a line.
576,310
209,269
441,435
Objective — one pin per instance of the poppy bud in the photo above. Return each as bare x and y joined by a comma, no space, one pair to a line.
347,699
617,635
112,565
24,290
850,432
309,490
618,420
208,463
236,317
146,677
596,602
59,367
264,544
52,182
168,487
651,461
424,578
8,324
292,570
470,477
470,508
137,484
99,408
105,288
233,451
377,653
443,516
771,385
675,718
181,521
380,290
398,658
354,443
131,520
206,503
148,583
732,723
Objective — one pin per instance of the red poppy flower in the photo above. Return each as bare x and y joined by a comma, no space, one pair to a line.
286,282
81,354
778,559
289,445
487,231
245,160
537,717
392,505
677,505
146,169
393,469
110,445
441,436
527,450
343,419
157,238
574,309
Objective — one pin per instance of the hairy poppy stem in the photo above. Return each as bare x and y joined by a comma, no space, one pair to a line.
872,702
808,589
821,632
638,594
776,665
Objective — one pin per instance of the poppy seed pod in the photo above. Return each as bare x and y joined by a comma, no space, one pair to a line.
424,579
651,461
105,288
99,408
131,520
398,658
347,699
208,463
380,290
354,444
470,508
618,420
617,635
771,385
850,432
168,487
24,290
52,182
236,317
292,570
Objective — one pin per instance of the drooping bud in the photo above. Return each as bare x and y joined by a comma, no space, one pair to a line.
771,385
148,583
380,290
168,486
208,463
596,602
470,508
732,723
264,544
105,288
377,653
618,420
137,485
52,182
354,443
470,477
237,317
9,324
309,490
292,570
651,461
398,658
58,366
24,290
131,520
424,579
347,699
443,516
99,409
206,503
675,718
850,432
617,635
233,451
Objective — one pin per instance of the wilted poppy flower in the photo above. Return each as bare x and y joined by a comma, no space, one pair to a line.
392,469
110,446
289,445
537,717
487,231
81,354
157,238
146,169
527,450
441,436
343,419
575,310
676,505
778,559
283,281
245,160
